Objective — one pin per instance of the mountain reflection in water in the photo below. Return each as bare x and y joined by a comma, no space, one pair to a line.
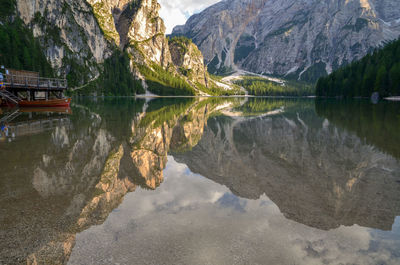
252,181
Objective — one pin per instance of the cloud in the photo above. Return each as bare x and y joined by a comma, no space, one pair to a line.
176,12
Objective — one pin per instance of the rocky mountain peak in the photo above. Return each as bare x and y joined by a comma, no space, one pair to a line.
303,39
137,27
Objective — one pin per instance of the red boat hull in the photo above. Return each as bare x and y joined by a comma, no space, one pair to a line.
65,102
62,110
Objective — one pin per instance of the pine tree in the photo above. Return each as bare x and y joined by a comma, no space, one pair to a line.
394,79
376,72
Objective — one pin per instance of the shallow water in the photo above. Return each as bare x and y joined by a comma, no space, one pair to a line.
202,181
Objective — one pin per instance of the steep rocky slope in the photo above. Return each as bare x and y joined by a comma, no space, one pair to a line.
189,60
304,38
68,33
78,37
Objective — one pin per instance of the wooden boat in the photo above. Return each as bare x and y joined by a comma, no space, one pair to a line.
65,102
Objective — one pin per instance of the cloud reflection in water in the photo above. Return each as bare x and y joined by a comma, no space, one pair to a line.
192,220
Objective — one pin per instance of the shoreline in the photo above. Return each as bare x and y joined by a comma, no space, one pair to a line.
397,98
199,96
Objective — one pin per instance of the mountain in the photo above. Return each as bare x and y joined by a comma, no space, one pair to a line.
108,47
295,38
378,72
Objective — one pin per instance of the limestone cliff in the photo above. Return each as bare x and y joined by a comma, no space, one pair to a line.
79,36
304,38
189,60
146,33
107,12
142,34
68,33
136,26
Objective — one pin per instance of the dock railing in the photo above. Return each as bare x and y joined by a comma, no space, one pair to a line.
31,82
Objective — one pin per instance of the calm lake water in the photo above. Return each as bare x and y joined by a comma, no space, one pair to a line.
201,181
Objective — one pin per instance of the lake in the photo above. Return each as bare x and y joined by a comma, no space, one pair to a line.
201,181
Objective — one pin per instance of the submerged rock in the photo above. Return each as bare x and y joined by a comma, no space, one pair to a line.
375,97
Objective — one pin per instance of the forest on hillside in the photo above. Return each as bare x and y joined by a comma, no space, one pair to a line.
259,86
376,72
19,50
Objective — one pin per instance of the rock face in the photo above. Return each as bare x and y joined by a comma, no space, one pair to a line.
89,30
189,60
304,38
68,32
135,26
107,12
142,30
84,34
142,33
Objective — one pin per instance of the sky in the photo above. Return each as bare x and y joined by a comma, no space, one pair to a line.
176,12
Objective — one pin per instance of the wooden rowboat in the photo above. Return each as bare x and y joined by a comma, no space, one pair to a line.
65,102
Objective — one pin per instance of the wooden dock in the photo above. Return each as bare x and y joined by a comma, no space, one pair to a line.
25,80
29,86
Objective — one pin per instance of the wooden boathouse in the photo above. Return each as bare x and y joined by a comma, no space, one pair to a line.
25,86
